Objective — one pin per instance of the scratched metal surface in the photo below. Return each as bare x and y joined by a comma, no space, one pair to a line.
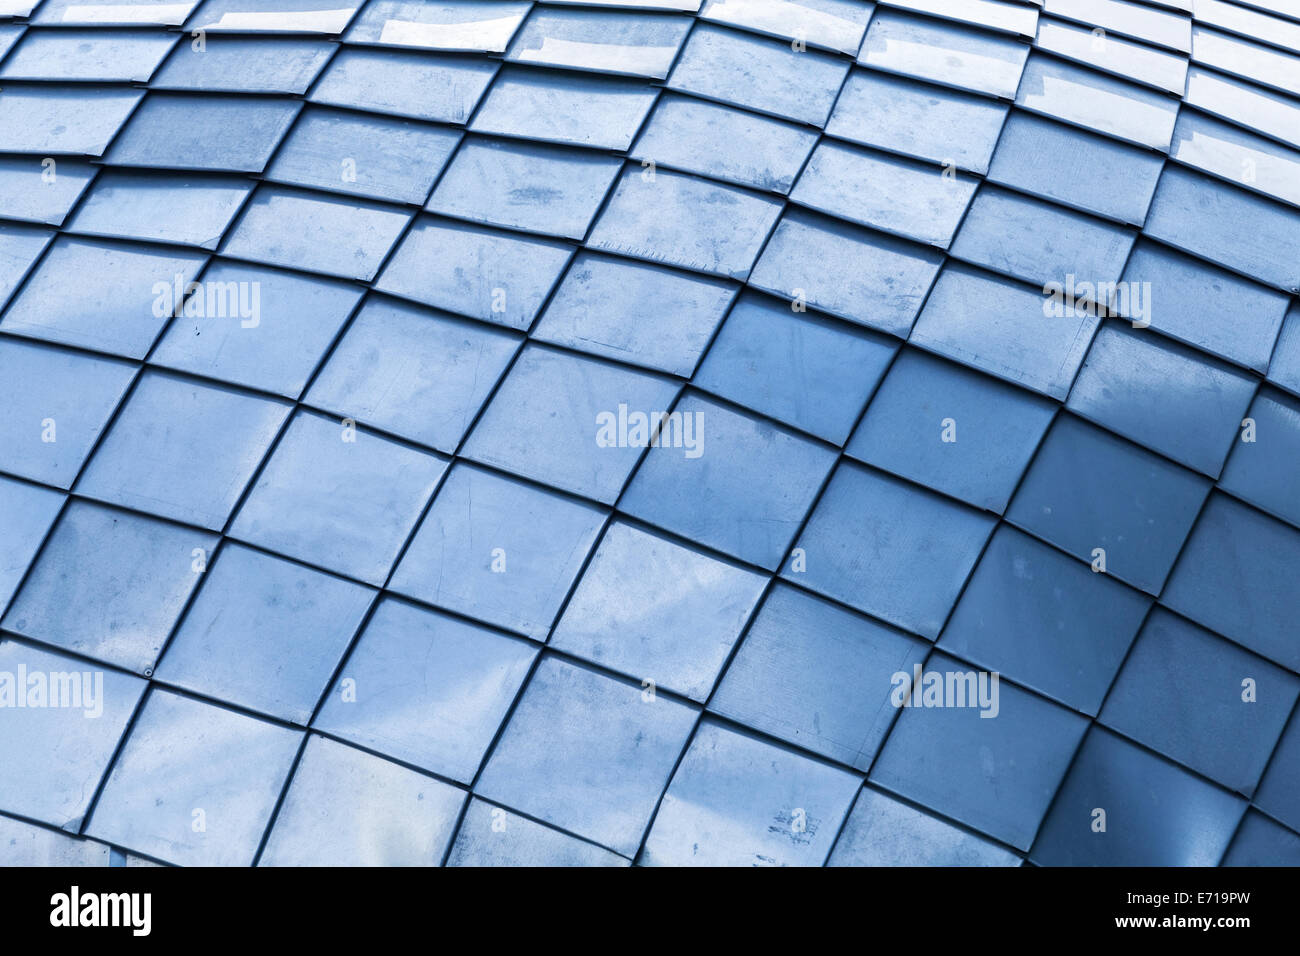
352,578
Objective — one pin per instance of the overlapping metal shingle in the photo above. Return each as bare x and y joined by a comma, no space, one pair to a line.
332,339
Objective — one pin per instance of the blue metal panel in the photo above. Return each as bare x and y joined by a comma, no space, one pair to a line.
620,618
425,688
1242,701
997,775
952,429
417,374
110,585
818,676
499,550
740,801
1064,633
1156,813
799,368
883,831
188,762
743,487
894,550
338,496
1088,491
544,420
265,634
1264,472
349,808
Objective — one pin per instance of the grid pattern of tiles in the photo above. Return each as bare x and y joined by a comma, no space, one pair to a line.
978,322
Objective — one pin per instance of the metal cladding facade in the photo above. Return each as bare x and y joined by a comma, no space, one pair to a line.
496,432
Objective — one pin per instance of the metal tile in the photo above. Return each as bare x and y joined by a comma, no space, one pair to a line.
103,13
625,617
262,328
1083,97
61,120
1156,814
110,585
882,831
1245,104
1112,54
183,450
724,143
1242,701
1028,239
63,719
416,85
1237,156
1192,301
1261,842
438,372
866,277
57,404
213,133
1265,65
1284,369
29,193
264,633
996,775
1064,634
537,188
339,497
1017,19
833,24
20,247
759,74
342,237
1263,471
917,119
1136,20
26,513
951,429
678,220
195,784
893,550
1138,516
191,210
635,312
1089,173
22,844
372,156
630,44
818,676
1278,793
271,16
133,285
460,26
736,800
233,64
996,326
801,369
1228,226
485,273
124,56
943,53
498,550
1162,396
914,200
544,421
587,753
569,109
743,487
492,836
1233,578
1234,18
426,689
348,808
